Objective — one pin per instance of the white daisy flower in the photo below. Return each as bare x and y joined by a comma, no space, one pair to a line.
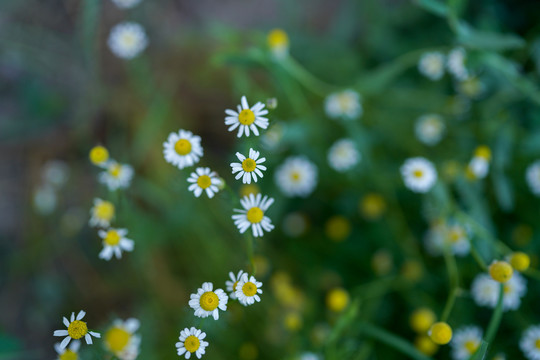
465,342
271,139
253,214
455,63
206,301
345,104
71,353
485,291
116,176
343,155
203,179
419,174
182,149
76,329
479,167
114,241
309,356
249,167
101,213
247,290
45,200
127,40
121,340
191,341
530,343
431,65
455,236
429,129
231,284
246,118
126,4
533,177
297,176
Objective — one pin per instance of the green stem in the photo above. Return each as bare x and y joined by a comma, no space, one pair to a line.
478,259
250,252
495,318
304,77
453,279
392,340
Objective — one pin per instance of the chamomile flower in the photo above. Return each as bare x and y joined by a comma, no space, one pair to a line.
451,235
297,176
478,167
55,173
247,118
114,241
101,213
182,149
455,63
207,302
533,177
76,329
127,40
343,155
530,343
121,340
253,214
485,291
278,42
247,290
429,129
126,4
203,179
465,342
345,104
116,175
249,167
431,65
231,284
71,353
191,341
419,174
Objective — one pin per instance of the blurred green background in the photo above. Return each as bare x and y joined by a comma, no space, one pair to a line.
62,92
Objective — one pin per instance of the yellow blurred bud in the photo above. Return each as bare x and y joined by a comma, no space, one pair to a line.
99,155
425,345
372,206
338,228
382,262
292,321
337,299
500,271
440,333
421,320
248,351
247,189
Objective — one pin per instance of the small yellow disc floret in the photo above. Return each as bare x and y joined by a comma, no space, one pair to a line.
117,339
209,301
77,329
520,261
99,155
192,343
440,333
68,355
255,215
501,271
337,299
277,38
422,319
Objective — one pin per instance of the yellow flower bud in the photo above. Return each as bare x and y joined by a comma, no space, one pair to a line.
99,155
422,319
337,299
425,345
500,271
520,261
440,333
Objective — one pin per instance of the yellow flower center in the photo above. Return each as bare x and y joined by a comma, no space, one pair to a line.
418,173
68,355
471,346
117,339
105,210
128,39
209,301
204,181
295,176
115,170
246,117
249,289
277,38
483,152
192,343
345,102
255,215
182,147
112,238
441,333
249,165
234,286
454,235
422,319
506,289
98,155
537,344
77,329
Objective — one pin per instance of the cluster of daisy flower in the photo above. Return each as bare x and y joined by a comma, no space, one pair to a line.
433,64
103,212
127,39
54,175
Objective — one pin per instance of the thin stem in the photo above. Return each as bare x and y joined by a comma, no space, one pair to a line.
250,252
495,318
478,259
392,340
303,76
453,279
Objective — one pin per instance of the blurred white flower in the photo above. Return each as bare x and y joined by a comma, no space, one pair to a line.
101,213
208,302
56,173
272,137
294,224
455,236
343,155
246,118
231,284
191,341
45,200
345,104
253,214
419,174
249,167
456,63
431,65
126,4
465,342
203,179
114,242
529,342
309,356
429,129
479,165
532,176
121,340
248,290
182,149
70,353
278,41
297,176
116,175
485,291
127,40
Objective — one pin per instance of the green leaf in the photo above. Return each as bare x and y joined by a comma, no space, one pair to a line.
433,6
484,40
